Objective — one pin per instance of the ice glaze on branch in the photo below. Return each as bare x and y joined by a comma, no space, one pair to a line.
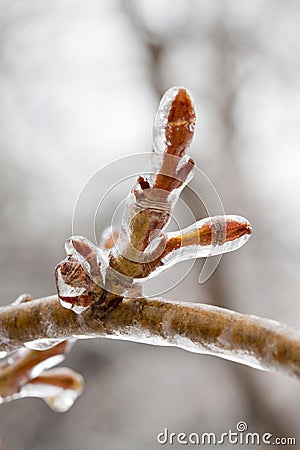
250,340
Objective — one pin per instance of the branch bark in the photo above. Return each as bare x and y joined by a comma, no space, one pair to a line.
251,340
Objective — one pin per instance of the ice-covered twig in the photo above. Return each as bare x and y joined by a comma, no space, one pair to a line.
24,374
142,248
250,340
151,202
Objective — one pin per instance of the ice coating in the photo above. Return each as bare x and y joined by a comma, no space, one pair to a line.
175,118
210,236
136,212
161,120
46,364
179,341
172,134
207,237
42,344
169,175
57,397
29,375
47,356
215,235
80,277
88,255
69,292
246,339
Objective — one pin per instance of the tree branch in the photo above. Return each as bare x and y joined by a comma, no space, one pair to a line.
254,341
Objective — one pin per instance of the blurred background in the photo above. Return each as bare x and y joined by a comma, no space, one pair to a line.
80,83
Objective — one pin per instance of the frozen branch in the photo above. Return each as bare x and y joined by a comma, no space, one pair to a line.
254,341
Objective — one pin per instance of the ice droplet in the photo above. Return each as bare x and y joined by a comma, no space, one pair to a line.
63,401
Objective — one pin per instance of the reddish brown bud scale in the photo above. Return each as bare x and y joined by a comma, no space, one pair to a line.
235,230
143,183
181,124
179,131
74,275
